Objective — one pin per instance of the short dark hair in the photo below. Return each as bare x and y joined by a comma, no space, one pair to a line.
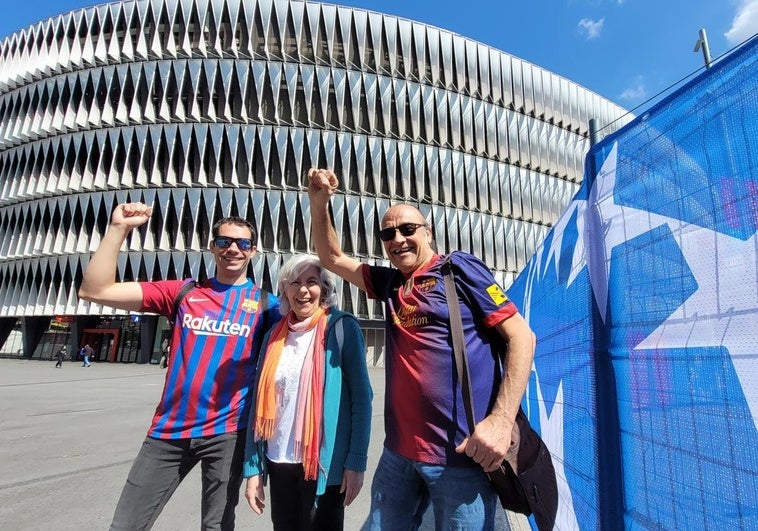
235,220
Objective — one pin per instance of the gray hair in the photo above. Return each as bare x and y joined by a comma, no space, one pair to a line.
292,268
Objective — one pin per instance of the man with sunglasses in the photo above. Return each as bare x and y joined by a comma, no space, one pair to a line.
428,455
217,331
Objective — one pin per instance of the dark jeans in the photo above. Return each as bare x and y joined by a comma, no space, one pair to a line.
293,498
162,464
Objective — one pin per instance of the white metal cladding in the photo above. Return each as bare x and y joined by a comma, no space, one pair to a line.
205,108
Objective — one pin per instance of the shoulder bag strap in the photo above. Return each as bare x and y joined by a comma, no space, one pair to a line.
263,300
459,344
263,309
189,286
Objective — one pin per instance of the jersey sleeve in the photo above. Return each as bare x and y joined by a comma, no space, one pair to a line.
379,281
158,297
486,298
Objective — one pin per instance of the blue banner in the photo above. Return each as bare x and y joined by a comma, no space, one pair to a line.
644,299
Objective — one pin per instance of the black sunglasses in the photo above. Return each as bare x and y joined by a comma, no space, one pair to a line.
224,242
406,229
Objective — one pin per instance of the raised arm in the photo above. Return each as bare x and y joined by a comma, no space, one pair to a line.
99,282
492,436
321,187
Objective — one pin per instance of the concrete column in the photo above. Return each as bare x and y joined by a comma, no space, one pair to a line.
32,329
6,327
147,327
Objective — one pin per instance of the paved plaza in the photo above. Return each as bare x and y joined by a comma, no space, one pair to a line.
68,437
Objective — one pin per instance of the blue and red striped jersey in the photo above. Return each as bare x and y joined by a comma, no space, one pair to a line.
215,343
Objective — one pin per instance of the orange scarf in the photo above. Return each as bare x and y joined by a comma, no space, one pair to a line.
310,402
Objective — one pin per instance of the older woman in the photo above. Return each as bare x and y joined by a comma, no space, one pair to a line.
311,417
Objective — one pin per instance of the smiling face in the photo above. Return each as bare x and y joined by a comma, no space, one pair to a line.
407,253
304,293
231,262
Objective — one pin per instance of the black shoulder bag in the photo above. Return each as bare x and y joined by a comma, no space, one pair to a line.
525,481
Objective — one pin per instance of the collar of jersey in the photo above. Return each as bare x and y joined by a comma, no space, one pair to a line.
218,286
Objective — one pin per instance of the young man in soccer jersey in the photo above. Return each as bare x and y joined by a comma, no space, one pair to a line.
428,454
204,409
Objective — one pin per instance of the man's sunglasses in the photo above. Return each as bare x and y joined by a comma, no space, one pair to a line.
224,242
406,229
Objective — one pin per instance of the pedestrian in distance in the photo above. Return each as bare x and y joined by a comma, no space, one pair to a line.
203,412
165,347
311,417
87,353
429,455
60,355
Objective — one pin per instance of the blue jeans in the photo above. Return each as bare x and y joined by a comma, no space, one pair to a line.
461,497
162,464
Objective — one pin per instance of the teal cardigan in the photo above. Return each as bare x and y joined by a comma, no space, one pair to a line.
347,406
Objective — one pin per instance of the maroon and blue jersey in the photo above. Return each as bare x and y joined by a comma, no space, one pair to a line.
424,415
216,338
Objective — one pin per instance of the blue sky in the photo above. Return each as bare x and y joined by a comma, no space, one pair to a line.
625,50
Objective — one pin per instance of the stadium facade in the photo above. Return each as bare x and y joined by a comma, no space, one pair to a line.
207,108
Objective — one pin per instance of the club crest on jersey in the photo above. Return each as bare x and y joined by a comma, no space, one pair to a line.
249,305
497,295
427,285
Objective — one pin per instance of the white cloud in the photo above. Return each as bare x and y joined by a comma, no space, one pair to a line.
636,92
745,22
591,28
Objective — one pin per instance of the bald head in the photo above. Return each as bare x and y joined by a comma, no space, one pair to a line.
407,213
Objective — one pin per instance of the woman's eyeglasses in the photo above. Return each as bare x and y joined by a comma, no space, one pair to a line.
406,229
224,242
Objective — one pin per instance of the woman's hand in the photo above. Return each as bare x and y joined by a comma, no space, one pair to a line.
352,482
256,498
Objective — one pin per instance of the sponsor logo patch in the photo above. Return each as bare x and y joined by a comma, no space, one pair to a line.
497,295
205,326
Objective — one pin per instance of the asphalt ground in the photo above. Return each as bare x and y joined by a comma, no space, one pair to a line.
68,437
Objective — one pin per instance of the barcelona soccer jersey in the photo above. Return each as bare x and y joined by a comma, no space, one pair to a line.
424,413
215,342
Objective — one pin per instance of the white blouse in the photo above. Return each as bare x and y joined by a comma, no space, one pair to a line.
281,445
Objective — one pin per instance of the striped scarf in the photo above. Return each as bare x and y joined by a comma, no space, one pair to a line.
310,401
